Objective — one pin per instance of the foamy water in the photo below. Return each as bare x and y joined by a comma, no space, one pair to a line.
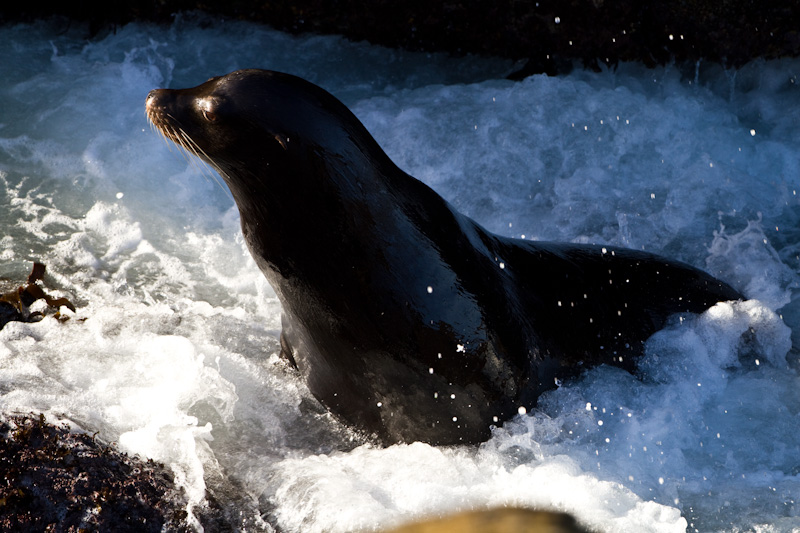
172,353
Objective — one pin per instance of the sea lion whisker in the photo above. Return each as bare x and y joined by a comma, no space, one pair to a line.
170,134
201,160
187,148
160,127
168,140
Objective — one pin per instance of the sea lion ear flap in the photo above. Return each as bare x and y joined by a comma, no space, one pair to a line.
282,140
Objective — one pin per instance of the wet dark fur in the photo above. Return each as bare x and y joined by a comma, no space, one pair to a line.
351,244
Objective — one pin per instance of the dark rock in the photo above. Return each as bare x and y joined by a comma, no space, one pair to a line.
547,33
57,480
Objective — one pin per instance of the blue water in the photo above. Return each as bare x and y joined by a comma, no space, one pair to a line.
172,353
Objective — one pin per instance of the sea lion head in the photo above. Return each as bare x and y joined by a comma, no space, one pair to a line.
263,126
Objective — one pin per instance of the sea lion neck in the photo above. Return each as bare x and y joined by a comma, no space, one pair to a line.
286,221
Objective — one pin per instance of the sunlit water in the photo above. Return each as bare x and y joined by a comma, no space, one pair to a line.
172,352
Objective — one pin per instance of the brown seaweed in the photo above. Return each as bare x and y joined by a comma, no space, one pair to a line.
15,304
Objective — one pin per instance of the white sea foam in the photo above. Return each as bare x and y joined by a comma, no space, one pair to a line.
172,351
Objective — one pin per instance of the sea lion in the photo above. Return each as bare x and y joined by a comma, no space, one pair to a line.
407,319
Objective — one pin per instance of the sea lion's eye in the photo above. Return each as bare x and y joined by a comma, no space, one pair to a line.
208,108
282,140
209,116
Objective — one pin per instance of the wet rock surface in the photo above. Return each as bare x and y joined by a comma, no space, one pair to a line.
55,479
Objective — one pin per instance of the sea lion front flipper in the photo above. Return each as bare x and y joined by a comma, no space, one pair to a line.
286,351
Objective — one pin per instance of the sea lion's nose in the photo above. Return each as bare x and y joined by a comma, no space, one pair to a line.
155,99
